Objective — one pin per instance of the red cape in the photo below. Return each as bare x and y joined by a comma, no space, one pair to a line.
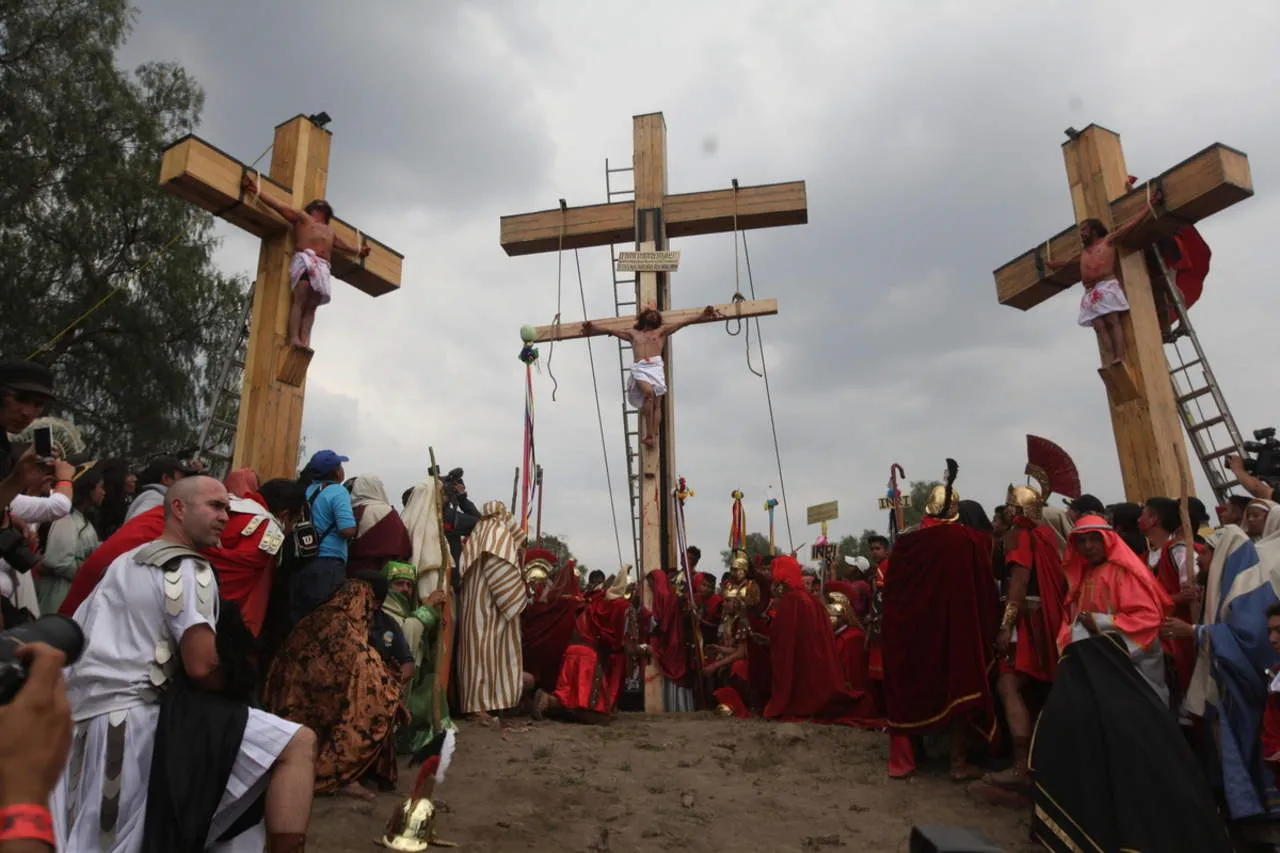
547,626
668,638
136,532
595,663
940,616
386,541
1191,266
1183,651
808,683
1036,546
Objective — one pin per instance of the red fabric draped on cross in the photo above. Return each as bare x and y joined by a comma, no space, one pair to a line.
668,639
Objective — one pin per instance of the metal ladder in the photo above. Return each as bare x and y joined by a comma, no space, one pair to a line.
218,432
1205,416
625,297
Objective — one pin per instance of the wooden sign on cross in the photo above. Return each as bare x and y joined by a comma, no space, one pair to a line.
269,426
1144,412
651,219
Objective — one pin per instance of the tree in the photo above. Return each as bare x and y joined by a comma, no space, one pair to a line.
109,276
913,514
859,546
757,546
557,545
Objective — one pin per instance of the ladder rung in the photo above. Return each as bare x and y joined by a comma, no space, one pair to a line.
613,169
1187,366
1211,422
1219,453
1199,392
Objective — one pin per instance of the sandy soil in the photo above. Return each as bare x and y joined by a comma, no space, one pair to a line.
687,782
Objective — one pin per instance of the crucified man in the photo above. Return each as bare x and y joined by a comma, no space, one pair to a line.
313,242
1104,300
648,379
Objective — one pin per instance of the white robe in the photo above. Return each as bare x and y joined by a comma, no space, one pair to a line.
134,621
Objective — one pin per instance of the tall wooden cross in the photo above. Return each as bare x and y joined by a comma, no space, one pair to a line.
269,426
1144,412
650,220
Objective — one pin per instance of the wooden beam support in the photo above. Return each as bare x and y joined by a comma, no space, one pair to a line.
196,171
1200,186
686,215
729,311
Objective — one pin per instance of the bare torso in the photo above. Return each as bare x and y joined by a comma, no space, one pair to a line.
647,343
311,233
1097,262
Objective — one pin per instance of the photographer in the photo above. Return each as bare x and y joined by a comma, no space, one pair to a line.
1258,475
19,545
35,738
460,517
25,389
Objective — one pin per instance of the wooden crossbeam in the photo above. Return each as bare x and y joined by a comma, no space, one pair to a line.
196,171
1200,186
685,214
729,311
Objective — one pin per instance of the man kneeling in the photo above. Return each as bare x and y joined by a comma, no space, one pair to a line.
162,759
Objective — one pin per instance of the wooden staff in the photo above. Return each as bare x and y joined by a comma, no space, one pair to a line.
444,636
537,479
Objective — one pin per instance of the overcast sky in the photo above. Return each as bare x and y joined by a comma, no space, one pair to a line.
928,134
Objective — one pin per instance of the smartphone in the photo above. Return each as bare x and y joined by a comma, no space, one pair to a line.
43,442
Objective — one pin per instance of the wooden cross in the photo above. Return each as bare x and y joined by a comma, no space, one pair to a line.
1144,412
269,426
650,220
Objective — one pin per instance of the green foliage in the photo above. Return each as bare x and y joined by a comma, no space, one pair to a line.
90,244
557,545
757,546
913,514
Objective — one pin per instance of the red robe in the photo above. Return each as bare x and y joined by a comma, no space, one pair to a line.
875,655
1190,266
1183,650
546,626
668,639
136,532
1035,546
595,662
759,654
808,683
940,614
386,541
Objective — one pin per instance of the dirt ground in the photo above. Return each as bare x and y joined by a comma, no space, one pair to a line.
681,782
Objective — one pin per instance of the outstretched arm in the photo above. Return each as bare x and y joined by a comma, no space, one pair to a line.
708,313
361,251
250,182
1137,219
590,328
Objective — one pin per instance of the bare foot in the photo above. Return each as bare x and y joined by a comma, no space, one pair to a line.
648,441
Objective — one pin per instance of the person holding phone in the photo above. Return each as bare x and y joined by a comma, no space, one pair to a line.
25,389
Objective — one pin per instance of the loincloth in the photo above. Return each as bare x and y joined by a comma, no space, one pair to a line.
1105,297
316,270
646,370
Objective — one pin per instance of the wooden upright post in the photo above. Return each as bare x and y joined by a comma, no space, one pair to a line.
269,425
1144,412
651,218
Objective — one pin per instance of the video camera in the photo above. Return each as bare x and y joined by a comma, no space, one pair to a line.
14,550
1265,464
57,631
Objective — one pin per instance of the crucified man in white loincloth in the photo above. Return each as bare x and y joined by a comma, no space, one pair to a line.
313,244
648,379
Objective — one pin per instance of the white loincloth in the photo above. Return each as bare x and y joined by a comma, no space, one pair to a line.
316,270
646,370
1105,297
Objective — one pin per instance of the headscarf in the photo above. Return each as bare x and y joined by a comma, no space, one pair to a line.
367,491
1118,553
242,482
431,555
394,571
497,533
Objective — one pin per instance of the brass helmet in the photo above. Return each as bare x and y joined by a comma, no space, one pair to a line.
739,564
537,572
410,829
1024,500
935,508
723,710
838,608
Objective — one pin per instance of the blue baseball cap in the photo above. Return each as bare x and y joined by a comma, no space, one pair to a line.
325,462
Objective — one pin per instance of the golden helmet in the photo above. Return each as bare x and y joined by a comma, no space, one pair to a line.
537,572
739,564
934,506
1024,500
723,710
838,608
410,828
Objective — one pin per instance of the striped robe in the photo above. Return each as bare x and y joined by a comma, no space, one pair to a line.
490,664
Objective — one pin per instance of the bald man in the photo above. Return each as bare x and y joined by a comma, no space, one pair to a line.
149,716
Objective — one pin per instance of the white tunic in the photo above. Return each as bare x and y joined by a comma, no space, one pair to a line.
133,622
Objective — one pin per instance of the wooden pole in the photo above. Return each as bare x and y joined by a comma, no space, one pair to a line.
444,635
515,488
537,479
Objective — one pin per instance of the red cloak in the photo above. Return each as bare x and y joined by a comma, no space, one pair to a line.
808,683
595,662
386,541
668,638
1183,651
1190,266
940,617
136,532
1035,546
547,626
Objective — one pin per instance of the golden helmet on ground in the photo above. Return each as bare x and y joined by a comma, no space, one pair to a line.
934,506
723,710
410,828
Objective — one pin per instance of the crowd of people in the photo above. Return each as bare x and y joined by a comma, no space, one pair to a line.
317,633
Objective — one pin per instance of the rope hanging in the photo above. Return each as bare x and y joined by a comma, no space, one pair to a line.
555,321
